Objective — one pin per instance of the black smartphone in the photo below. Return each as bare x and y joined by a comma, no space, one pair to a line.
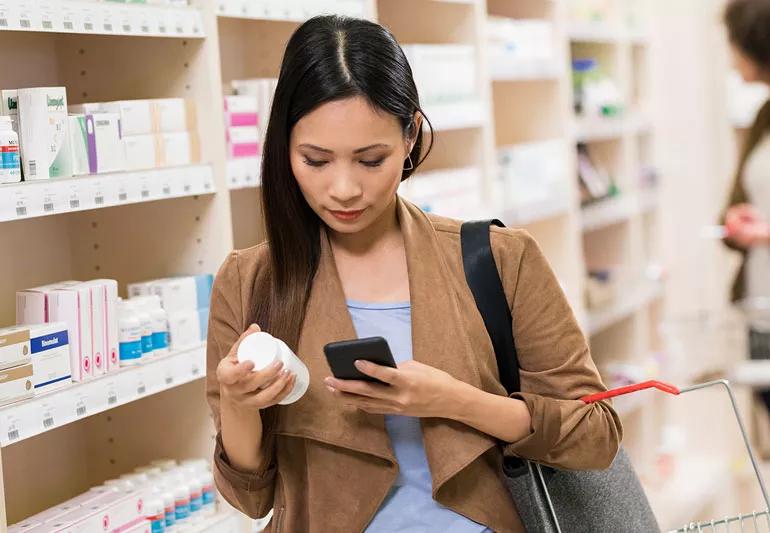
341,356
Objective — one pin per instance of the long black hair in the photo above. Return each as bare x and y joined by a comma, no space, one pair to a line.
327,58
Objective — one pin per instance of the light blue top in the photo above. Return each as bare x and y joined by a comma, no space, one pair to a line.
409,507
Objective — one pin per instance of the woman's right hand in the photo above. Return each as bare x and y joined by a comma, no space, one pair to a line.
246,389
746,226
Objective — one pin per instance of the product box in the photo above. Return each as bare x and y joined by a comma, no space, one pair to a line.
112,354
32,304
142,288
50,349
242,141
98,340
136,116
173,115
179,148
87,108
98,138
16,384
9,106
43,133
184,292
184,329
113,512
141,151
72,305
14,346
241,110
203,321
79,144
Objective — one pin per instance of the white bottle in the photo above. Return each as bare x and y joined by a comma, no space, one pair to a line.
152,305
190,475
145,320
156,515
263,349
209,492
129,335
10,164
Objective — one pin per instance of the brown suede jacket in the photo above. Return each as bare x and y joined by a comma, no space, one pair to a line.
331,466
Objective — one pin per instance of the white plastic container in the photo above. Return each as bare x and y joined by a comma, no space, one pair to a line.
155,514
129,335
263,349
10,163
145,321
151,305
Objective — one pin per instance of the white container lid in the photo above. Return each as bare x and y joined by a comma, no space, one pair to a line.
261,348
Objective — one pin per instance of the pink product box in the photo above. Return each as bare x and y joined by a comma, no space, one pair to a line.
111,350
98,340
114,512
32,304
72,305
241,110
243,141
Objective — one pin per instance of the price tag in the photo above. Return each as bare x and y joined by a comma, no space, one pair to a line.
108,23
48,416
144,24
98,189
13,432
122,193
5,14
126,22
24,10
111,389
48,16
195,369
73,197
50,200
81,405
179,22
68,18
141,388
166,190
144,188
87,18
21,205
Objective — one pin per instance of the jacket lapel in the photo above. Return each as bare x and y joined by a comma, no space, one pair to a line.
438,338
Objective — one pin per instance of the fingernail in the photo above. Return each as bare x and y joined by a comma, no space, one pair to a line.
361,364
329,382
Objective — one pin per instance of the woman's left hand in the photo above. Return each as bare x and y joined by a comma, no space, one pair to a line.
413,389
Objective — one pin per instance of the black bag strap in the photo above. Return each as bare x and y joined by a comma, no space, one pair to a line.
484,281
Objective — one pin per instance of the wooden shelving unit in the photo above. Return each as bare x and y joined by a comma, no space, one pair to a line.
204,48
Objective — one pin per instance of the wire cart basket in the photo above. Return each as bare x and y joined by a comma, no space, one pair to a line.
749,523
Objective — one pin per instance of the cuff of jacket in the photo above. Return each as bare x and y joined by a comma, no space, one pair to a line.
238,479
546,425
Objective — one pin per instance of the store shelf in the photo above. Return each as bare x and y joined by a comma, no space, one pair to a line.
626,304
456,115
523,215
226,520
296,11
244,173
88,17
503,72
594,33
52,197
609,212
696,485
25,419
599,129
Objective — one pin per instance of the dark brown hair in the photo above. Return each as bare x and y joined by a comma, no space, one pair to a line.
748,27
327,58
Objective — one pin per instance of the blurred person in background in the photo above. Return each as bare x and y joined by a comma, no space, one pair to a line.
748,211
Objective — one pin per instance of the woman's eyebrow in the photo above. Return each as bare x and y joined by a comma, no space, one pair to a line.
316,148
356,151
370,147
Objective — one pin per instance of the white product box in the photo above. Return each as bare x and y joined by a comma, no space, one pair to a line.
141,288
10,107
177,294
136,117
184,329
112,512
174,114
443,72
32,304
112,353
87,108
106,152
98,301
242,141
14,346
73,306
241,110
79,145
141,151
16,384
179,148
50,356
43,133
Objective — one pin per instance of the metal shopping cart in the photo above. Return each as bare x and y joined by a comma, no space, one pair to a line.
749,523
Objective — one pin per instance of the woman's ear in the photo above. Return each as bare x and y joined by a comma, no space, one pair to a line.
415,129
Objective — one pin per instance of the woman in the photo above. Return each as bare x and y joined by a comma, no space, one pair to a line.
746,216
347,257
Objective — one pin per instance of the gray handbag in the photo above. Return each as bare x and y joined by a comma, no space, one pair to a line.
549,500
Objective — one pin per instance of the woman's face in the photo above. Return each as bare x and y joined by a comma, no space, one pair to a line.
348,160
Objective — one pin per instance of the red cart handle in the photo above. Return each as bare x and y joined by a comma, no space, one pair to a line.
599,396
